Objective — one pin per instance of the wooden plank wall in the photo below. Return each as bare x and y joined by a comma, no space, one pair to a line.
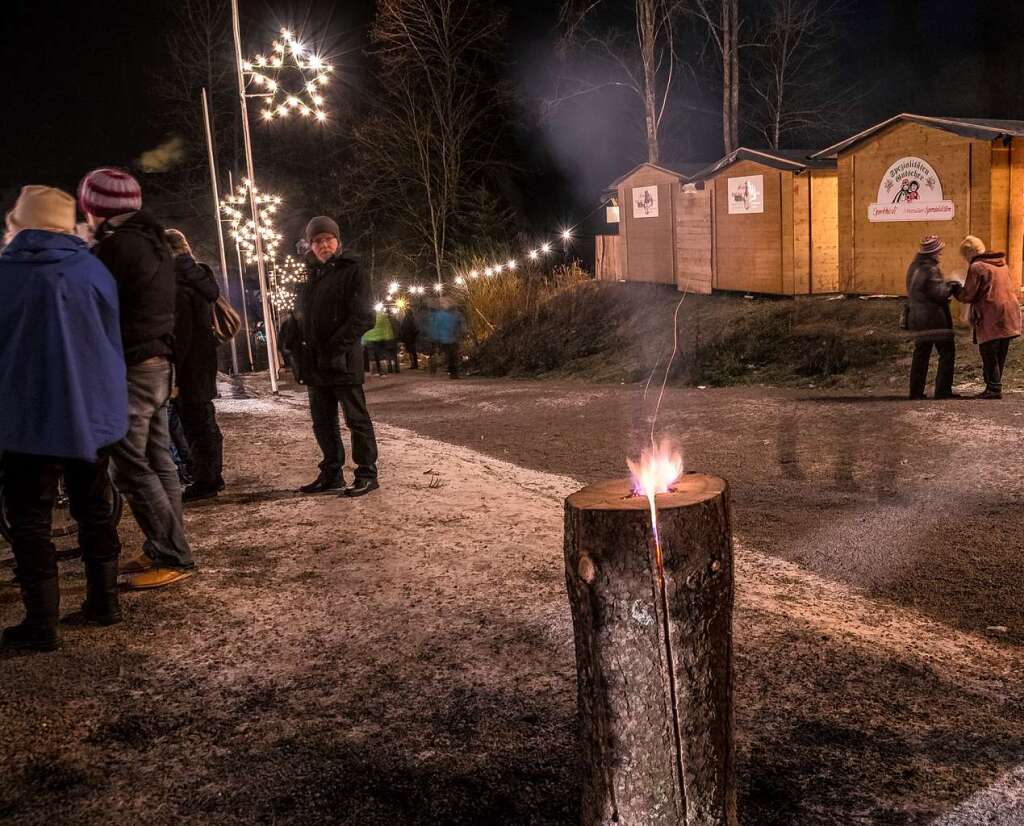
847,236
748,248
693,240
786,218
606,258
882,251
824,230
1015,235
648,248
802,234
999,205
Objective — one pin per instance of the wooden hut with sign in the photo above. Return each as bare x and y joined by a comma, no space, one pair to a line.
762,221
912,176
644,203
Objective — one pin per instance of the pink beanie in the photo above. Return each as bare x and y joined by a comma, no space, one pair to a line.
107,192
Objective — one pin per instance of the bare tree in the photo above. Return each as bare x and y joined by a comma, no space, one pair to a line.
724,27
791,78
434,126
643,62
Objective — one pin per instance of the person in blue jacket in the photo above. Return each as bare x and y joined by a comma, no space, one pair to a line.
65,402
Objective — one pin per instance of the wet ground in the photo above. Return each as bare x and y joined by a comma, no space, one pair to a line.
407,658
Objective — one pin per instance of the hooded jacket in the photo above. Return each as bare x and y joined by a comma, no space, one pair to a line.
928,300
995,303
332,311
62,370
132,247
195,347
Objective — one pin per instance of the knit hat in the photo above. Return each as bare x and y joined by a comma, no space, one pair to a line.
43,207
930,245
320,225
971,246
177,242
107,192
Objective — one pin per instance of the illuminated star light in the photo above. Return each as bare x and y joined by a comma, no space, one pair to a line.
289,54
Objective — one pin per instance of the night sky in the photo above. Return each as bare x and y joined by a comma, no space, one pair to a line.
77,80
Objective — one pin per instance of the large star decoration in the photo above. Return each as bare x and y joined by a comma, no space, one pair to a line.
290,55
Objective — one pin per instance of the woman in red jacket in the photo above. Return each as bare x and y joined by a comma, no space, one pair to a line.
995,309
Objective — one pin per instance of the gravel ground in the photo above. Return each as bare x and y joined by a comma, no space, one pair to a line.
407,658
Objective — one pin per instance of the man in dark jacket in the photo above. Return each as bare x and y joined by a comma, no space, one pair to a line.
332,311
929,318
195,363
131,244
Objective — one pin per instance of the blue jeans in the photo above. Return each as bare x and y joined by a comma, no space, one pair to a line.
144,471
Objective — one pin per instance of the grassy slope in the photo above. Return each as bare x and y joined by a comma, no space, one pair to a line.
619,332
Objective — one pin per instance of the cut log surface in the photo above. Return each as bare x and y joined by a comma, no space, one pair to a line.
654,666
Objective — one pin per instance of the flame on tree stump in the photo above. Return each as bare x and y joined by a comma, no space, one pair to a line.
653,631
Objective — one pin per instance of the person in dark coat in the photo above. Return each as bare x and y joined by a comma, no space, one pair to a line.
408,331
333,309
195,362
130,242
65,402
995,310
929,318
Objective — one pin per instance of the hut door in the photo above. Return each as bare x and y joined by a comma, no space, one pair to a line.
693,240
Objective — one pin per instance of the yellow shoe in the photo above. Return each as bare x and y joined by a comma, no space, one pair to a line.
153,578
136,565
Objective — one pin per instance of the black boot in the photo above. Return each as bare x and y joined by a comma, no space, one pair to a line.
324,482
361,487
38,631
101,605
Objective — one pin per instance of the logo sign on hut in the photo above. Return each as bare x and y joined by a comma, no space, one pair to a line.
645,202
746,195
910,191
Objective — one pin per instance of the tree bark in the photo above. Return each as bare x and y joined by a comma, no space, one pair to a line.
727,78
734,58
653,639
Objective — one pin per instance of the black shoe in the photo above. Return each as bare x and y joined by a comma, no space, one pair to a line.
101,605
947,396
324,483
916,397
361,487
220,484
988,394
195,492
30,637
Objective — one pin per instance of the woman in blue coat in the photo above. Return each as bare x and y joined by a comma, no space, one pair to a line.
65,401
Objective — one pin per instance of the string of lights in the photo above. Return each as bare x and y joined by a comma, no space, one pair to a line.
272,74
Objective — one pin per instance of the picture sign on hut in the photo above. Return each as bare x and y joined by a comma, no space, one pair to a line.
910,191
645,202
746,195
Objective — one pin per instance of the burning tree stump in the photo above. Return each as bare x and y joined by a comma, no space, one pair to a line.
653,652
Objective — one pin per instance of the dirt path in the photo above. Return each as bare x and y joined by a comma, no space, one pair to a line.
407,658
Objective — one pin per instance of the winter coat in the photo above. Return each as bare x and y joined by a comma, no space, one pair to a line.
381,331
195,347
133,249
928,300
408,329
446,325
62,373
995,302
332,311
421,318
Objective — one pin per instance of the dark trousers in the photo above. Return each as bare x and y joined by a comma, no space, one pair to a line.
205,441
452,358
414,361
919,366
180,453
30,489
323,407
993,360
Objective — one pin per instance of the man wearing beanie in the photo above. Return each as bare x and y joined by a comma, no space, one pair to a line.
131,243
332,311
65,402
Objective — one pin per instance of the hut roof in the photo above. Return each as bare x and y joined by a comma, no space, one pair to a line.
683,170
981,128
789,160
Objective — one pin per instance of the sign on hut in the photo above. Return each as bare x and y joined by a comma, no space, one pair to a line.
912,176
762,221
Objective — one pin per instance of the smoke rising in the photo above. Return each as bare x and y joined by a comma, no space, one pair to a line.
164,157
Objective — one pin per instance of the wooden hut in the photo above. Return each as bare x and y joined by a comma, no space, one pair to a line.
762,221
644,202
912,176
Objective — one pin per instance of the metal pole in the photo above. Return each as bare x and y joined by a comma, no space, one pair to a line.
241,283
260,268
216,215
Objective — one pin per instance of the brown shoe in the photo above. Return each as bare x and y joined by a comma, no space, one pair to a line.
136,565
153,578
988,394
